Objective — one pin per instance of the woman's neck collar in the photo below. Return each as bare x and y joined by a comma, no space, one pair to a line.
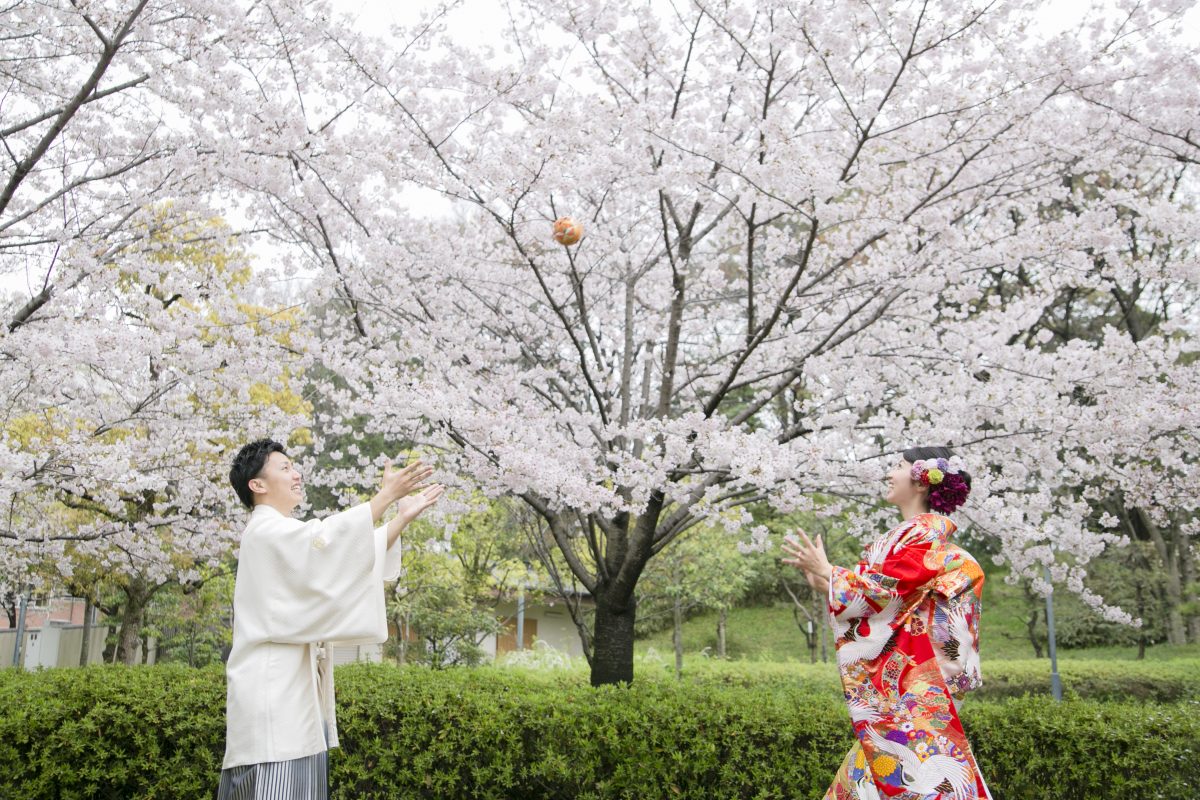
914,510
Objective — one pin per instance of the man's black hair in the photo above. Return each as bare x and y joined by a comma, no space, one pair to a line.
248,463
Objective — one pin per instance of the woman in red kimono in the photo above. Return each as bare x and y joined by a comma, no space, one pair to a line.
906,623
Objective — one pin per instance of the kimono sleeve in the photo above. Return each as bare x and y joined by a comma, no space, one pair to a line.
321,580
905,572
392,561
954,634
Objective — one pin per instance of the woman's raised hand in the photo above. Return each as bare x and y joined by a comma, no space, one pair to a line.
412,506
808,556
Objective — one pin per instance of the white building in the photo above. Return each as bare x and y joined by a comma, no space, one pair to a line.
547,621
52,635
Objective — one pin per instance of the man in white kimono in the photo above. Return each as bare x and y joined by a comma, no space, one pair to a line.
301,585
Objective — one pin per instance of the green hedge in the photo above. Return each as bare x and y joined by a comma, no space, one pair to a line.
111,732
157,732
1157,681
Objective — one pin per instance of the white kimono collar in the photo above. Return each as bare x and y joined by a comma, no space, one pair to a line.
266,510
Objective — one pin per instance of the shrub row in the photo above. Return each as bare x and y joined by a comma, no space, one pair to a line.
157,732
1157,681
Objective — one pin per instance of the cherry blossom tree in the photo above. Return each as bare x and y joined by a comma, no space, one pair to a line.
139,342
804,226
815,232
125,425
1153,496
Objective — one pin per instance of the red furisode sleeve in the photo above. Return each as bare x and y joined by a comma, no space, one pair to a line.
904,575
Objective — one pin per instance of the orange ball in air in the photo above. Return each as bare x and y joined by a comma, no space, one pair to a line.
567,230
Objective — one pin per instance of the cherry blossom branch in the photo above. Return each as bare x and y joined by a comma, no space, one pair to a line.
71,107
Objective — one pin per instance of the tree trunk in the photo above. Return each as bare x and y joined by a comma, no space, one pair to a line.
612,657
721,620
132,643
1141,608
1187,574
85,650
130,636
803,623
1172,585
133,613
819,610
677,638
1031,626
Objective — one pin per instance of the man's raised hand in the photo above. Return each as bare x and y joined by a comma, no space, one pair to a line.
411,507
400,482
397,483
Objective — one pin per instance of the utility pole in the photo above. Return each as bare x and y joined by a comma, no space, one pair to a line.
1055,681
19,644
521,620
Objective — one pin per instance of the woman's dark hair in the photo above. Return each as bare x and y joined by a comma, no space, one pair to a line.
248,463
949,496
914,454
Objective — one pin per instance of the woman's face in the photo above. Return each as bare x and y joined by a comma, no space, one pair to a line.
901,488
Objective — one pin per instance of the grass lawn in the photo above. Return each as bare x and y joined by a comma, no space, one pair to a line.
770,634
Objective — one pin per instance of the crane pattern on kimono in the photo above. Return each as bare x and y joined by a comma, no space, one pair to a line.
906,626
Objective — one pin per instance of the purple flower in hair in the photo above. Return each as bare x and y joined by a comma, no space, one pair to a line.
948,495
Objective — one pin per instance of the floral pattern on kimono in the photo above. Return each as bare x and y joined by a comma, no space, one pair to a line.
906,622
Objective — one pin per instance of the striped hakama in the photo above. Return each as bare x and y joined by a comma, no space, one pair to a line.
299,779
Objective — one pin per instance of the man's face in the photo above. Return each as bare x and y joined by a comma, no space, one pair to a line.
278,483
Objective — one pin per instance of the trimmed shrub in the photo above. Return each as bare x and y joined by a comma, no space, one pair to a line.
1157,681
111,732
1034,749
499,734
157,732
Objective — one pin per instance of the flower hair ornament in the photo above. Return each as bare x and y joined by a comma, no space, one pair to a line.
947,488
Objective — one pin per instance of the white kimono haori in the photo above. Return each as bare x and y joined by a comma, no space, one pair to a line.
300,586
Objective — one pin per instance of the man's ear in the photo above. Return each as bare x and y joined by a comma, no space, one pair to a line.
257,486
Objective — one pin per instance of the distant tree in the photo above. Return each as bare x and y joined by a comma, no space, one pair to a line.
703,571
